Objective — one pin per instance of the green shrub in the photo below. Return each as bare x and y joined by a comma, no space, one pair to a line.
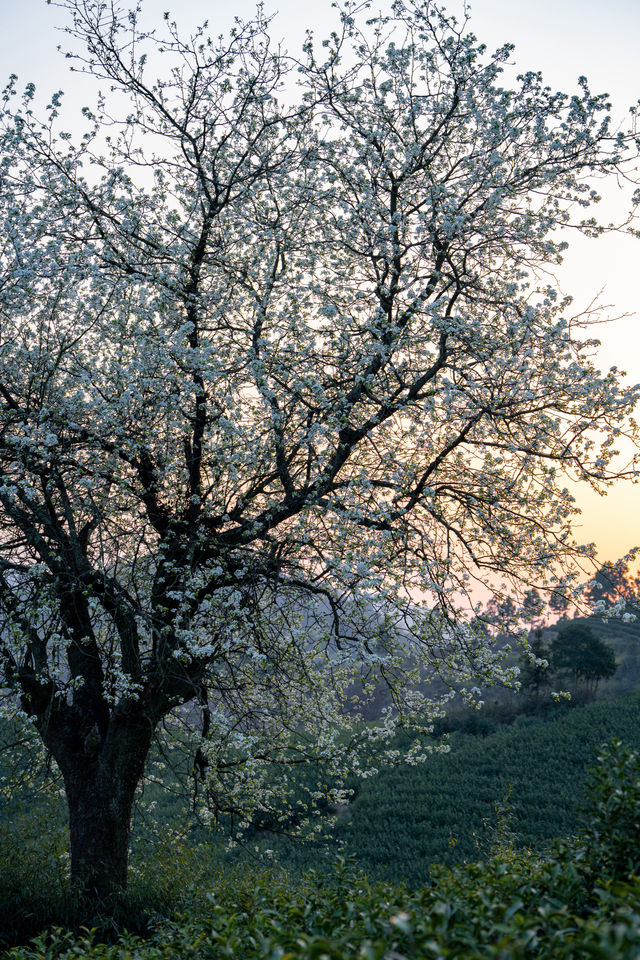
443,811
612,833
516,907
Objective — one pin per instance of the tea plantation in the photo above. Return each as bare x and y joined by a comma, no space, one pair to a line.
489,808
528,778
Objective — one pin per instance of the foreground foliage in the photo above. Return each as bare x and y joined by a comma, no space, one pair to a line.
581,899
510,906
513,908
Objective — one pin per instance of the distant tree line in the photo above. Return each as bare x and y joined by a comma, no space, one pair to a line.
614,581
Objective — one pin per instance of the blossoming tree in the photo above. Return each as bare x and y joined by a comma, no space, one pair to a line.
279,377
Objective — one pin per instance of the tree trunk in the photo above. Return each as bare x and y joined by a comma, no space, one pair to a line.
100,830
100,784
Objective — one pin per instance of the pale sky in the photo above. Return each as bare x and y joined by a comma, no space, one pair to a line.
562,38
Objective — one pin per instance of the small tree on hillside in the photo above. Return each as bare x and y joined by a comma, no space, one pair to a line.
281,373
502,614
582,655
532,605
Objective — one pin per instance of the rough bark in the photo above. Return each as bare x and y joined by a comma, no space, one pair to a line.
100,776
100,827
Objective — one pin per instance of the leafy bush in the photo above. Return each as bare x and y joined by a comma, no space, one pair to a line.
612,834
34,858
517,908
